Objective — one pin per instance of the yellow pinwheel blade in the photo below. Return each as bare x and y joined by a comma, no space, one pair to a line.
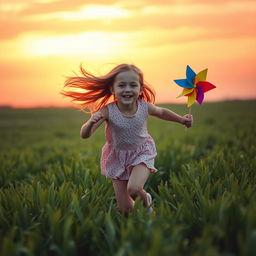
201,76
186,91
191,98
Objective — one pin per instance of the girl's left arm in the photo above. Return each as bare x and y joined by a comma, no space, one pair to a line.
166,114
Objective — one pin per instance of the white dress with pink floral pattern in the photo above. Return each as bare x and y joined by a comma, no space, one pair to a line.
127,142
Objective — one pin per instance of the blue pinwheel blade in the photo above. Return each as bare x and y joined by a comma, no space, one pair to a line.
184,83
190,74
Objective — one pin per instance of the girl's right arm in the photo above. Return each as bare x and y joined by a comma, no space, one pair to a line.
93,123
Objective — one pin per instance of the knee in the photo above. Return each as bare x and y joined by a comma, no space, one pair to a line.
134,191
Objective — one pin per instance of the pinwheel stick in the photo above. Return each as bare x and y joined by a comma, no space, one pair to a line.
189,112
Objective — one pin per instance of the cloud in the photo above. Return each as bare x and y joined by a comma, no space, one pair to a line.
87,12
226,19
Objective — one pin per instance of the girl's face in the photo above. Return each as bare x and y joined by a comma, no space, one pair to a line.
126,87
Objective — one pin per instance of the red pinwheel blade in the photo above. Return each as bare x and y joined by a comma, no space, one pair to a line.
206,85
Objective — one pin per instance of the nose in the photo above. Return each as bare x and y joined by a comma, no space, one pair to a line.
127,88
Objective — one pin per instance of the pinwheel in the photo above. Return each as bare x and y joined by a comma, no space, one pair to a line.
194,86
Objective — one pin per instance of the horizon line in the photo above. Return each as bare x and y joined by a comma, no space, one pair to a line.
11,106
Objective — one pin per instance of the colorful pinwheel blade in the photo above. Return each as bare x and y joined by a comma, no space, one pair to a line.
206,85
201,76
191,98
200,94
190,74
186,91
184,83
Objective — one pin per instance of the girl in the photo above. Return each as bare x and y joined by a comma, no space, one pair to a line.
122,100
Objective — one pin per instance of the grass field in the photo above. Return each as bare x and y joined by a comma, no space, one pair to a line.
54,200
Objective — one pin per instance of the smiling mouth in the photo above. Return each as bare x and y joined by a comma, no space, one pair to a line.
127,96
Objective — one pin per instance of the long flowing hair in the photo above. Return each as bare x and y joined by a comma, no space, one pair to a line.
93,92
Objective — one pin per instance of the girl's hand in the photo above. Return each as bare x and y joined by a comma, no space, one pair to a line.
96,117
187,120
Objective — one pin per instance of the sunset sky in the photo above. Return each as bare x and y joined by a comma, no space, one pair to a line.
42,41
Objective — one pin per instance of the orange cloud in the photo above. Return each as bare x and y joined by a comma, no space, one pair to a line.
59,17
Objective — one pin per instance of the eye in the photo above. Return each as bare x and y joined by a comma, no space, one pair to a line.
121,85
134,85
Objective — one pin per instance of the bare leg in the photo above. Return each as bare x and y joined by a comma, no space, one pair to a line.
137,180
124,202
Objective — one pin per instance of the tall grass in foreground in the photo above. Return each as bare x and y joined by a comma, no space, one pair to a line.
53,200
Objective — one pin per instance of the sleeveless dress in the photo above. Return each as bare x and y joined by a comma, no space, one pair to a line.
127,142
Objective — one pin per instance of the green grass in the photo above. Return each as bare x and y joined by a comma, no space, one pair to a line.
54,200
